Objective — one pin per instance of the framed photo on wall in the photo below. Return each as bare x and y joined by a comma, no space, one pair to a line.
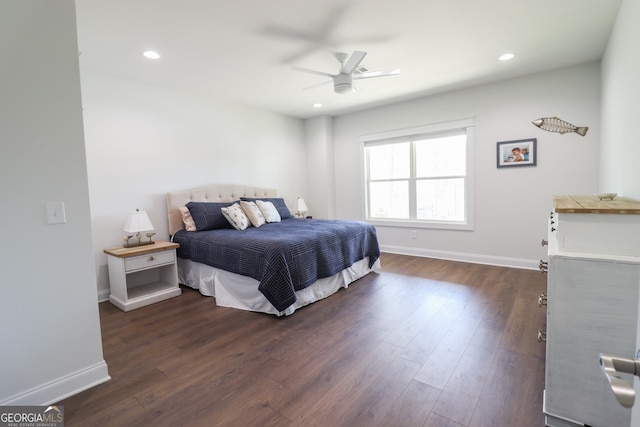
521,152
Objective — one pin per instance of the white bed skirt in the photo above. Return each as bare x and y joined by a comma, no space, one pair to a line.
236,291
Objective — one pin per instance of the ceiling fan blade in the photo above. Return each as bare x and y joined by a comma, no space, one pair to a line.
371,74
289,33
367,40
355,60
308,71
318,85
294,57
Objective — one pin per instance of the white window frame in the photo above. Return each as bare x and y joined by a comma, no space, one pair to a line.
411,134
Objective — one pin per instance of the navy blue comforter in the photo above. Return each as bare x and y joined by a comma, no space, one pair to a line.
283,256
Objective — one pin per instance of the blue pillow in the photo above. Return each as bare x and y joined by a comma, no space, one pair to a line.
208,216
278,202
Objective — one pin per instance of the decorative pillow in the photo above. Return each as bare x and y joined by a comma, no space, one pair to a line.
236,217
269,211
187,220
278,202
252,212
208,216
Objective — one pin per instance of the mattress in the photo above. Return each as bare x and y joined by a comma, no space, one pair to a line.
241,292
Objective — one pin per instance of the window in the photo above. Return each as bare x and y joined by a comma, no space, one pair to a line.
420,176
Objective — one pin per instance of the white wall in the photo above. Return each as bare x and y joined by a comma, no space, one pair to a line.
621,105
50,344
320,171
144,141
512,205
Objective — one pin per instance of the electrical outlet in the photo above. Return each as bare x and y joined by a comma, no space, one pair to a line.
414,234
55,213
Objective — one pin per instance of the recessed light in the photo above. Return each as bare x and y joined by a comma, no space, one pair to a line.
317,105
151,54
506,56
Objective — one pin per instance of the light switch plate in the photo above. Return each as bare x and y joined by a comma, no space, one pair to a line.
55,213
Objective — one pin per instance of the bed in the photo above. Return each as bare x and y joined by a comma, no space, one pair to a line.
275,268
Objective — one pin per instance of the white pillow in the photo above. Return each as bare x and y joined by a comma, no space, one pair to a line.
236,217
253,213
269,211
187,220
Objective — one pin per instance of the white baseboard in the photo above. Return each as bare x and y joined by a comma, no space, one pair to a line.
103,295
463,257
61,388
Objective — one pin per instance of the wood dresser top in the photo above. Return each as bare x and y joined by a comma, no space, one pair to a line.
593,205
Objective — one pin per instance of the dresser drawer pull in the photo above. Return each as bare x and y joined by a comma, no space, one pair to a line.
543,266
542,336
553,229
544,242
542,300
151,258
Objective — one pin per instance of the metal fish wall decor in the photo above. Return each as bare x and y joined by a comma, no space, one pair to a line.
554,124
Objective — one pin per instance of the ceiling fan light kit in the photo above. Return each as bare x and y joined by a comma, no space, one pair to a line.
342,83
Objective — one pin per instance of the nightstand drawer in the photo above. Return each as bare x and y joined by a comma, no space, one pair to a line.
149,260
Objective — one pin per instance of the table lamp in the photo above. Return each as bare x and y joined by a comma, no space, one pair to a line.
138,222
301,207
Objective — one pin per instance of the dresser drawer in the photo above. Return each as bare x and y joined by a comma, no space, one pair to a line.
150,260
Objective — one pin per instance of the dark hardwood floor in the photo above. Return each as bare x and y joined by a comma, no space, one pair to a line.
423,342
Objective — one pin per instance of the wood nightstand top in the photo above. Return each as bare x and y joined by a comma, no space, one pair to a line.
122,252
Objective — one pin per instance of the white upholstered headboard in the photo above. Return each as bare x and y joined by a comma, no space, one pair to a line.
209,193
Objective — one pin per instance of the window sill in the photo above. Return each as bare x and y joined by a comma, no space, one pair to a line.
440,225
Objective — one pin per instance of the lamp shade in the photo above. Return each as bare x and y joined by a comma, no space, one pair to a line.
302,206
138,221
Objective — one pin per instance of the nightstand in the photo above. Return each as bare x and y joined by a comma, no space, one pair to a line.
142,275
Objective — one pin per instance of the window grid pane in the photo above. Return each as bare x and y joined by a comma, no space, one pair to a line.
440,199
440,157
389,199
389,161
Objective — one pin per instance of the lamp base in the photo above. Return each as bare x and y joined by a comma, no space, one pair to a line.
138,236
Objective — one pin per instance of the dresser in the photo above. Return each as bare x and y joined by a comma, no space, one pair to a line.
592,306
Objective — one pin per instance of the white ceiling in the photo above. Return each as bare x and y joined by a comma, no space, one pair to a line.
242,50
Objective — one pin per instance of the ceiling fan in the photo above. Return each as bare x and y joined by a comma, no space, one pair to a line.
349,71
